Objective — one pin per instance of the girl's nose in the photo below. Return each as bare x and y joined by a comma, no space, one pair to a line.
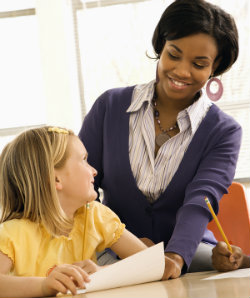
94,171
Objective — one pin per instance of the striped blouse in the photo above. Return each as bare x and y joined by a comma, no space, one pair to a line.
153,174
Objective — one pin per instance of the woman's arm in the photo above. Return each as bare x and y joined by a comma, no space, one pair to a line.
214,173
91,134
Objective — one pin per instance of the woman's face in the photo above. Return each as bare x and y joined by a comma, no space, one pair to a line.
185,65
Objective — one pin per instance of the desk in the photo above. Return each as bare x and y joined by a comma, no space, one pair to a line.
190,285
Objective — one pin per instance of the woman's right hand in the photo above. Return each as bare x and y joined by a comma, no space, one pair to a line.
64,278
224,260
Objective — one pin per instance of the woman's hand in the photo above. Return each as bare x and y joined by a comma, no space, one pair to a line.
173,265
224,260
64,278
173,262
147,242
88,266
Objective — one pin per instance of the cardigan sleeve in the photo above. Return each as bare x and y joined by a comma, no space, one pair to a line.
91,134
214,175
107,110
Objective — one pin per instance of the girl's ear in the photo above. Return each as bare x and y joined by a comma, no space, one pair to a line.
58,183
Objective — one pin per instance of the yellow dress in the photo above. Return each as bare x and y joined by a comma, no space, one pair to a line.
33,250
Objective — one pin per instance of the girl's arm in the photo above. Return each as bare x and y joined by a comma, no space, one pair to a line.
61,279
128,244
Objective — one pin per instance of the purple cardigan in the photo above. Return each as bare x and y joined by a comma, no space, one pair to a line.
179,217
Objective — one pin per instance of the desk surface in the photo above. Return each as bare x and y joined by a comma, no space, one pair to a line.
190,285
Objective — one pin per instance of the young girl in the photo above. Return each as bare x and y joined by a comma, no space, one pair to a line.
51,226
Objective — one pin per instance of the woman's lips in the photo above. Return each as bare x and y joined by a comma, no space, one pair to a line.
178,84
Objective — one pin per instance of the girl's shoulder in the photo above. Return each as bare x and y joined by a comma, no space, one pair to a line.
98,215
95,209
101,209
16,226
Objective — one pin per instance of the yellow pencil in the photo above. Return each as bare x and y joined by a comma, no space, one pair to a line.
218,224
85,230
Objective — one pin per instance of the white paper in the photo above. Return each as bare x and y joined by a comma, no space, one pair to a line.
145,266
231,274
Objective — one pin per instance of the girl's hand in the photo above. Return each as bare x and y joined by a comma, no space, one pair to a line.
224,260
173,265
88,266
64,278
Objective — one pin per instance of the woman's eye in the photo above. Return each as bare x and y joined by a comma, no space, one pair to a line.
199,66
173,56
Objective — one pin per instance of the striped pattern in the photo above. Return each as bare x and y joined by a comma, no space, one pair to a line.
152,174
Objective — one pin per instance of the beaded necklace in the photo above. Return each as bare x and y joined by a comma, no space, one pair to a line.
163,136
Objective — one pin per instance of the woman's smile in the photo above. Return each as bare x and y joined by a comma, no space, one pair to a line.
176,84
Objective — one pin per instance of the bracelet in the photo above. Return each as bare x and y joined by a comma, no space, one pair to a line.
50,270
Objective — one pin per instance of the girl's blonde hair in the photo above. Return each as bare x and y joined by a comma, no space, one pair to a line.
27,178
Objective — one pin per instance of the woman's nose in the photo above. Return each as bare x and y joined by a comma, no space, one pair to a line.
182,70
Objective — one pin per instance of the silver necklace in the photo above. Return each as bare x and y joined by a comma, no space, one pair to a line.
163,136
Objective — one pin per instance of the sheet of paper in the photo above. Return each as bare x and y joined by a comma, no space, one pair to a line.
231,274
145,266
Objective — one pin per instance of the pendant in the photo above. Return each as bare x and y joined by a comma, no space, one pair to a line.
162,138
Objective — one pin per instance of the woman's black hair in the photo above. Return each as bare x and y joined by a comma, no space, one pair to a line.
187,17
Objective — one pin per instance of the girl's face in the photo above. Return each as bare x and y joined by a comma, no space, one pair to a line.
75,180
185,65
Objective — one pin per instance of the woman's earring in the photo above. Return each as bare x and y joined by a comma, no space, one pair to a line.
156,75
215,91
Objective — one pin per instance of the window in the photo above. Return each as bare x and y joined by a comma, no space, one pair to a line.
22,102
236,97
114,37
39,75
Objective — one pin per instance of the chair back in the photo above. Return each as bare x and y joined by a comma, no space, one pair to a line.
234,217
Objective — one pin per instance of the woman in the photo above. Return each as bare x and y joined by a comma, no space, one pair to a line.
161,147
